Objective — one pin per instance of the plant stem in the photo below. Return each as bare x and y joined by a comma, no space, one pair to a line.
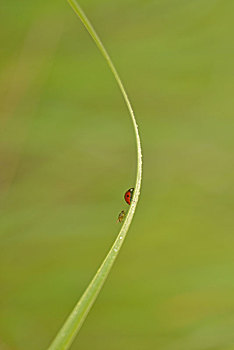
67,333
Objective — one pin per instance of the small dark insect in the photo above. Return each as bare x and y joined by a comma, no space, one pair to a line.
128,195
121,216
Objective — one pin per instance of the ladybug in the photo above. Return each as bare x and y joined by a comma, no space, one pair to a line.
128,195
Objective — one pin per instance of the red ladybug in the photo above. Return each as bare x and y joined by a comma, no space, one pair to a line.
128,195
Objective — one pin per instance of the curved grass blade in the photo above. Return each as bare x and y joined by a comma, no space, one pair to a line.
67,333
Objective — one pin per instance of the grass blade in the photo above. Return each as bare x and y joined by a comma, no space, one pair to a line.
67,333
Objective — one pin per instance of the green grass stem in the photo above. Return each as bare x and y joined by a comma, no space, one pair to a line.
67,333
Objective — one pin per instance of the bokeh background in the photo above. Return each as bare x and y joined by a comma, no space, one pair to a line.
67,155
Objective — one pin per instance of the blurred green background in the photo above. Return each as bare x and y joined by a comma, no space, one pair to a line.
67,155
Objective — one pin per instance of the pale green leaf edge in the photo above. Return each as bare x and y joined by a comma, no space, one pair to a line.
67,333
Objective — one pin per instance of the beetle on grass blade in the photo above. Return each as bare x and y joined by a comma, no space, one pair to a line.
128,195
